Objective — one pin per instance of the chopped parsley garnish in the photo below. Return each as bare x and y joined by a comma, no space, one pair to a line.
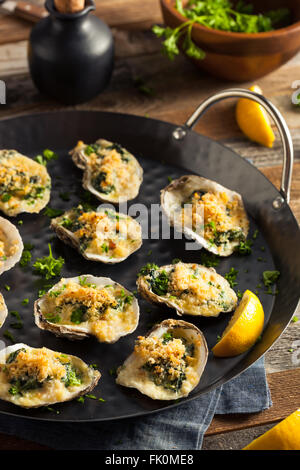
104,247
159,284
255,234
72,377
66,222
5,197
48,266
270,277
7,287
147,269
51,212
244,248
176,260
239,294
84,283
25,258
28,246
53,318
12,356
46,157
231,277
8,335
167,337
295,319
77,315
18,324
210,260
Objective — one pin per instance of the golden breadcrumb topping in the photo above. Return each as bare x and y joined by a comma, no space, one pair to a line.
38,363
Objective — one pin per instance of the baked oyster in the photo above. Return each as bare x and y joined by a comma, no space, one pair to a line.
34,377
167,363
110,172
105,235
85,306
11,245
190,288
206,212
24,184
3,310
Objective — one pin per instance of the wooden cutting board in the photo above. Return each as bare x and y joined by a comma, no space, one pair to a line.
126,14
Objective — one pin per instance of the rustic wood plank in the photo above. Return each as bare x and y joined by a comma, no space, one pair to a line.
283,405
129,15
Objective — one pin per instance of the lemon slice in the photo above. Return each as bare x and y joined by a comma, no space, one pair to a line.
284,436
254,121
244,328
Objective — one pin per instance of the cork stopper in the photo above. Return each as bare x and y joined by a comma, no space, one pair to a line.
69,6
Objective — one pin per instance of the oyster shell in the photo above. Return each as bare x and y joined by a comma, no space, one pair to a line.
34,377
11,245
85,306
3,310
150,368
190,288
206,212
24,184
111,173
106,236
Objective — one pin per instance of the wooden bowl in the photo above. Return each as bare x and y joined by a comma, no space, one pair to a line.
239,56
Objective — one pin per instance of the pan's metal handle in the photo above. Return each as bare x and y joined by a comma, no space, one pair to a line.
288,150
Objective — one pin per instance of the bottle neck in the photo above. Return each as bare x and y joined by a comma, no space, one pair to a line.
89,6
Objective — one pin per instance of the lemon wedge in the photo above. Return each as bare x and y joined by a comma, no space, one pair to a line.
254,121
244,328
284,436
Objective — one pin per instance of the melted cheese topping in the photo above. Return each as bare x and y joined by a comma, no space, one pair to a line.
7,248
106,233
22,181
106,312
215,213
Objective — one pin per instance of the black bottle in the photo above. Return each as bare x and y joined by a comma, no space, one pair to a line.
71,55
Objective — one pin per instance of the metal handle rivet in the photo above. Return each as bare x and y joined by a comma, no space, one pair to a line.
278,202
179,133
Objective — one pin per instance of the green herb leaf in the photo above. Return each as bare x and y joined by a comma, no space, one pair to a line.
48,266
231,277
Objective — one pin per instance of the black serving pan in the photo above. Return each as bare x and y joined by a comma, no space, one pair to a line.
164,151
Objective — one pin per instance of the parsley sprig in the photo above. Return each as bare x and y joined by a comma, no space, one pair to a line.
216,14
48,266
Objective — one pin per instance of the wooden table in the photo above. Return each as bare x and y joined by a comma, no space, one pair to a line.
177,88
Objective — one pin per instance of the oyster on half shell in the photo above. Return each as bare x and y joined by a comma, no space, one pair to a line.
34,377
167,363
11,245
110,172
85,306
206,212
190,288
106,236
24,184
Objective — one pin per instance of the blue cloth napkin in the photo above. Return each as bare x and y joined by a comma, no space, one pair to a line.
181,428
